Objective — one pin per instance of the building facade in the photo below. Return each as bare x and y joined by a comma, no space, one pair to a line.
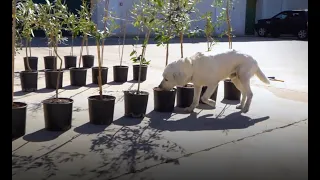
244,13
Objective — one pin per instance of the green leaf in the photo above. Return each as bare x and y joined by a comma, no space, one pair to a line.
133,52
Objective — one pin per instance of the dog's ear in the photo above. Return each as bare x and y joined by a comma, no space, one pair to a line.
179,77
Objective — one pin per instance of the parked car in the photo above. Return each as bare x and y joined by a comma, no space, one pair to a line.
293,22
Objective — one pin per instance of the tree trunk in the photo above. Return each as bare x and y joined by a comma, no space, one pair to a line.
13,43
99,63
27,57
181,44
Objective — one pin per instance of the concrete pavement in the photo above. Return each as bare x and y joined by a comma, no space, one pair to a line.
269,142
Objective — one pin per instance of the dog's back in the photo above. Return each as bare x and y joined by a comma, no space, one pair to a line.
220,65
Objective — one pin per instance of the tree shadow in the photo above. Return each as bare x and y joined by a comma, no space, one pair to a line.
42,135
230,102
129,148
89,128
21,93
48,163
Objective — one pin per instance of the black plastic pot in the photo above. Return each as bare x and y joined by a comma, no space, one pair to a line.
135,105
50,62
19,117
95,75
51,77
213,96
230,91
29,81
87,61
164,100
120,73
70,61
185,96
78,76
33,63
57,114
101,110
144,69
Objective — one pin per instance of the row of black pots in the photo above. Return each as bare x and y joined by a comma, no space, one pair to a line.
78,76
164,100
58,112
50,62
120,72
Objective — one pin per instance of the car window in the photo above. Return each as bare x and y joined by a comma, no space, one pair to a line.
283,15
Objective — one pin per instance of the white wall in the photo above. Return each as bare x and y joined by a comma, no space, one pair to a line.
237,14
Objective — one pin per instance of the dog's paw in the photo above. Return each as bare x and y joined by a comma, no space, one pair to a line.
188,109
239,106
244,110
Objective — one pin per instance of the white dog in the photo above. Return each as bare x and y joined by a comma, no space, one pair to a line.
203,69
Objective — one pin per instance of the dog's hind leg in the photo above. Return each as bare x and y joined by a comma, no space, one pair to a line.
239,86
205,97
196,97
245,81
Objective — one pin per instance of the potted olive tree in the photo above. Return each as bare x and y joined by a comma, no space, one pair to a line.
78,75
51,18
57,110
136,101
175,16
120,72
101,107
111,26
19,109
144,14
230,90
27,21
85,15
72,26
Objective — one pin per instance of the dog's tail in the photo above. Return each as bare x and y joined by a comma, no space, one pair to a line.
261,76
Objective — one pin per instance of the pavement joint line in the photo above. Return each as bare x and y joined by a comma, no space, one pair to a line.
176,160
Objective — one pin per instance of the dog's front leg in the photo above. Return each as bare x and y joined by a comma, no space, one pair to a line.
205,97
196,97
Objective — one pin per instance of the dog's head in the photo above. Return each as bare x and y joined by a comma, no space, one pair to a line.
175,74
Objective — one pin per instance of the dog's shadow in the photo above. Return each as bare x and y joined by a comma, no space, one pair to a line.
199,123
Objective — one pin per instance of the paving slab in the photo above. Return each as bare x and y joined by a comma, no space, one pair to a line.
267,140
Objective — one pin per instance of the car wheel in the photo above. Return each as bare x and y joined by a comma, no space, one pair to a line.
262,32
302,34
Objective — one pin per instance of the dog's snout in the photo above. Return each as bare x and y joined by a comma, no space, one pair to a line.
160,85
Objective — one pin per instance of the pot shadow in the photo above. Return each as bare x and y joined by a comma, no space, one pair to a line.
133,81
21,93
230,102
115,83
42,136
199,123
89,128
91,85
69,87
127,121
45,90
